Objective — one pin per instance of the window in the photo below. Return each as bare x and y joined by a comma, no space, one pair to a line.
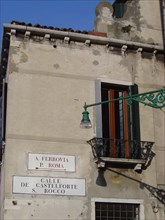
120,122
119,9
116,211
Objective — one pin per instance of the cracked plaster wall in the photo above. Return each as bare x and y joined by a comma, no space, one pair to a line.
46,85
137,24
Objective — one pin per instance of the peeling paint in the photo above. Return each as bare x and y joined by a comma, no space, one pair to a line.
23,57
126,29
13,66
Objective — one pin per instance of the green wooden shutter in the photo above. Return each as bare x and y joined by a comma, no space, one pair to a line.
135,122
119,10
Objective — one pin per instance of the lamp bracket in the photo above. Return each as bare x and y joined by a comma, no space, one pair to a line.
157,193
154,99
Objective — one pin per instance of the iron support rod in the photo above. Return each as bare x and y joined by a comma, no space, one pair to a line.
133,98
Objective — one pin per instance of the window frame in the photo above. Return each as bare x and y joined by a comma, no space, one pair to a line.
133,117
114,200
98,108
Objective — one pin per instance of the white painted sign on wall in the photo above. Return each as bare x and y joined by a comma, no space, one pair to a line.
51,162
48,186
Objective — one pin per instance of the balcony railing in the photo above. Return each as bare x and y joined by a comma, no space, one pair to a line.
122,151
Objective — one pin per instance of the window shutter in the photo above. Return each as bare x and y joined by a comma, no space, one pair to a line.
119,10
135,115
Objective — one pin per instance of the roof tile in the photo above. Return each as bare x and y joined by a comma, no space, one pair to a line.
59,29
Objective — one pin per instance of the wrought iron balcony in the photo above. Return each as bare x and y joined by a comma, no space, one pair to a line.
122,152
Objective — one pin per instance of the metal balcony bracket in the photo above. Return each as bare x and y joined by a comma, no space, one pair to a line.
146,153
101,157
140,152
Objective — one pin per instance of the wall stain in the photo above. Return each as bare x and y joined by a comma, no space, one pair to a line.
95,62
131,63
116,179
23,57
56,66
14,202
13,66
96,52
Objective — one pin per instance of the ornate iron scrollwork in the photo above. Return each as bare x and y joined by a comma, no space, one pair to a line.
154,99
157,193
103,147
146,153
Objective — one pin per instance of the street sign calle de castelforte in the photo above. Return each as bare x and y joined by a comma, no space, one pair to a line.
51,162
48,186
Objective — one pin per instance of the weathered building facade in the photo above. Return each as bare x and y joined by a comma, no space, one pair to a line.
52,168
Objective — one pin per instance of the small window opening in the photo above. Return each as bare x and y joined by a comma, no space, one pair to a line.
116,211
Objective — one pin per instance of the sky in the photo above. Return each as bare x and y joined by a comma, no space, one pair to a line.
76,14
